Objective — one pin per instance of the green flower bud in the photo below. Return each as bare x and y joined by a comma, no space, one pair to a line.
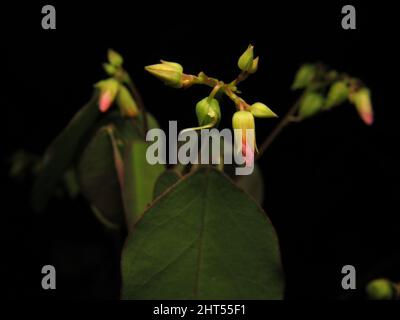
208,111
168,72
243,120
311,104
109,69
380,289
126,103
114,58
260,110
245,62
337,94
304,76
254,67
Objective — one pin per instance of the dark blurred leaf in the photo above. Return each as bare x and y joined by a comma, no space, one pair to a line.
61,152
165,180
139,180
101,168
203,239
253,184
98,178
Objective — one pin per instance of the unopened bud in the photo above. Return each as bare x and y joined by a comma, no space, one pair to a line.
168,72
245,62
362,101
126,103
311,104
260,110
244,120
380,289
254,66
337,94
109,69
304,76
208,111
108,90
114,58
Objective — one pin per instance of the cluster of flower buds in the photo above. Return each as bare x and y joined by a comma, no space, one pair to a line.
208,109
114,89
325,89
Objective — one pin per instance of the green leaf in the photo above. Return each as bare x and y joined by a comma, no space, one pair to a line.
203,239
98,170
101,168
139,180
253,184
61,152
164,181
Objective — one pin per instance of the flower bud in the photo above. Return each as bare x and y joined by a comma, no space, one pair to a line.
362,101
245,62
311,104
260,110
337,94
380,289
126,103
109,69
208,111
168,72
304,76
108,90
114,58
244,121
254,66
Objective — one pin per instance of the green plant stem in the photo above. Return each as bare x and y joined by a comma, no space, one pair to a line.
241,77
138,98
278,129
227,89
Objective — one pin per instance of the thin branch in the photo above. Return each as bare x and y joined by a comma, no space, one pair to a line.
278,129
138,98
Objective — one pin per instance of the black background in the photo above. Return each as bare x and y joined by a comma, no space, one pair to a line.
331,182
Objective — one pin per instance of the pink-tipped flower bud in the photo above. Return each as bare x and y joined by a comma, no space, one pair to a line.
108,91
362,101
244,120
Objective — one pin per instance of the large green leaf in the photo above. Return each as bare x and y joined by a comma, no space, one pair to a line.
253,184
203,239
61,152
98,172
139,180
164,181
101,169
